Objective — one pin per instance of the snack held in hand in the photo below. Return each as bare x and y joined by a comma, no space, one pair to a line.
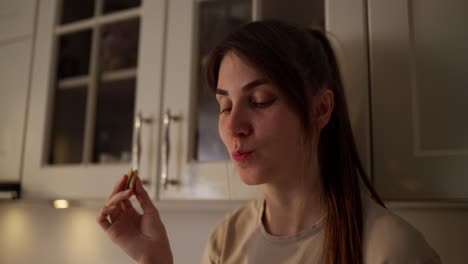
132,175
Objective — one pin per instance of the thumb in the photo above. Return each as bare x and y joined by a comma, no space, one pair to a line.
143,198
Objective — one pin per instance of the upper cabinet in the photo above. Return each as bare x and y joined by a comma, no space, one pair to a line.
112,76
14,82
16,38
419,90
16,19
97,65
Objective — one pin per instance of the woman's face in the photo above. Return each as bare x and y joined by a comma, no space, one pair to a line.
260,131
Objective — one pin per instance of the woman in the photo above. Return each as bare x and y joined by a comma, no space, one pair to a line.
284,120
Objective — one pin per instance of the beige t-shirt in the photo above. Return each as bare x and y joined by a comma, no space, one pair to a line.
241,238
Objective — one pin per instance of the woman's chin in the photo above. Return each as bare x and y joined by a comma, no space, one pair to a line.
250,178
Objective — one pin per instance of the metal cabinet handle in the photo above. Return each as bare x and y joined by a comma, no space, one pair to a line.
166,149
136,142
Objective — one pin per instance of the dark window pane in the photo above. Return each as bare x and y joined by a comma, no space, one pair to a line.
68,124
216,20
74,54
119,45
118,5
73,10
114,121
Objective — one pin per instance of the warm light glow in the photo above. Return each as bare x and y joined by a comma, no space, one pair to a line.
61,204
6,195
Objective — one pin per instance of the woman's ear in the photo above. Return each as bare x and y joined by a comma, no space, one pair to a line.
323,104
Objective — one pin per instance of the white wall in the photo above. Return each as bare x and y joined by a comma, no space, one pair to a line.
37,233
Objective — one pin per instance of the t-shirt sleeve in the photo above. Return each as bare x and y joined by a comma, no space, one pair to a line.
210,254
213,248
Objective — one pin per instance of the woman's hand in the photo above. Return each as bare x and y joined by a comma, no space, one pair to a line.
142,236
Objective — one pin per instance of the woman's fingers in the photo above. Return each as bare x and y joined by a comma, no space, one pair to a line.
118,197
104,212
108,215
114,212
103,219
116,202
119,186
128,206
143,198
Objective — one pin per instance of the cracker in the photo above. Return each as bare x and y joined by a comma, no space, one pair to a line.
132,175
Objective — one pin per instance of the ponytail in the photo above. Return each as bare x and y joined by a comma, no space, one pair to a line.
342,196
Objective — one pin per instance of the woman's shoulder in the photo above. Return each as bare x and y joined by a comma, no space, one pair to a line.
388,238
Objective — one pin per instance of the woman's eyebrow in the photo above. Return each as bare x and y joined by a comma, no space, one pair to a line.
249,86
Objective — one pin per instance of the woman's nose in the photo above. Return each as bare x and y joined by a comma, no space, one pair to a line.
239,124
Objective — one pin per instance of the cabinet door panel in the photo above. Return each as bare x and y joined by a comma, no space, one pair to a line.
419,79
15,61
16,19
197,159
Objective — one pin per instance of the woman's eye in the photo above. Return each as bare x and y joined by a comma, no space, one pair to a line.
263,104
224,110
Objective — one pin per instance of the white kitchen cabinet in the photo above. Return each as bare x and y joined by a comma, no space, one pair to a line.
16,33
182,156
96,65
15,58
16,19
419,69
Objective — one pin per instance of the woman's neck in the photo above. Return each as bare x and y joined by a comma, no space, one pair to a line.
294,206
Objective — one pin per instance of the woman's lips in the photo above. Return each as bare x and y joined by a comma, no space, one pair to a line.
241,156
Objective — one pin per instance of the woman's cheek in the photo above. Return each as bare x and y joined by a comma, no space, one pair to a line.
223,132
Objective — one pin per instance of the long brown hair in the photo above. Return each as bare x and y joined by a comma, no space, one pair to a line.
301,62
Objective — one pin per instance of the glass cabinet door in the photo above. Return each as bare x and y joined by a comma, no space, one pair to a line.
215,20
96,65
99,63
194,163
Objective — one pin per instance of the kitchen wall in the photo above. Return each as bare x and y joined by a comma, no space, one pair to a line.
34,232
